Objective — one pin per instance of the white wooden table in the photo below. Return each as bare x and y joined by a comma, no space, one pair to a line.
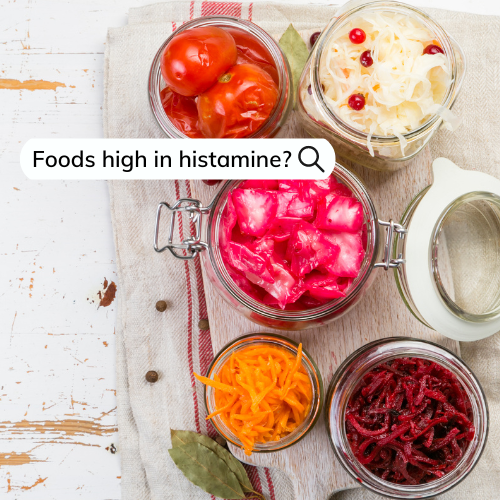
57,348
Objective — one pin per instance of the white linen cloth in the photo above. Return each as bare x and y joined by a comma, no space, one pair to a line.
171,343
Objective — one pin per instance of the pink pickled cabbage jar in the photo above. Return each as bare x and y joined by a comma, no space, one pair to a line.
443,225
207,221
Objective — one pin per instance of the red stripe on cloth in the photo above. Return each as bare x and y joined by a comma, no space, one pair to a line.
253,475
191,10
221,9
190,320
205,349
270,484
203,303
250,8
205,352
174,26
205,344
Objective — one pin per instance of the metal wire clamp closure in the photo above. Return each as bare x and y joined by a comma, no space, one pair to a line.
392,227
191,246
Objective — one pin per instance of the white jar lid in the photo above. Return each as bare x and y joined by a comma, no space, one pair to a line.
450,183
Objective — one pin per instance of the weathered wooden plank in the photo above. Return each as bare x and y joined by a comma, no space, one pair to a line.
58,416
57,389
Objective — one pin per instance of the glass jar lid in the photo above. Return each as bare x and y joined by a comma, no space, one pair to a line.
452,253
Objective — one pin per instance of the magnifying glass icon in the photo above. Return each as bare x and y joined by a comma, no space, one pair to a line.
313,163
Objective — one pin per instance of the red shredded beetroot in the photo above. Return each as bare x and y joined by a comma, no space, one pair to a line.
409,421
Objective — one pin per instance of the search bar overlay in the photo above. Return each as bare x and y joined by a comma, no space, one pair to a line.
141,159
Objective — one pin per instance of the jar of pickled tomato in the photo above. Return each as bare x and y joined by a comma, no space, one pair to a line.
440,455
379,83
255,47
444,251
270,342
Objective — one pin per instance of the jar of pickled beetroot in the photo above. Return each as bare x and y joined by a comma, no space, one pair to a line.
285,382
298,254
406,418
220,77
380,81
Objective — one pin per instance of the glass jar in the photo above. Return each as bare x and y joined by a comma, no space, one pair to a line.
450,279
206,242
320,121
344,383
268,339
448,238
284,104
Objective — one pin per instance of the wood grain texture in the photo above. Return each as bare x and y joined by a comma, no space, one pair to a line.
311,464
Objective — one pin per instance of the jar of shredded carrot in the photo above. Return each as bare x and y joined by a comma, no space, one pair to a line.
263,392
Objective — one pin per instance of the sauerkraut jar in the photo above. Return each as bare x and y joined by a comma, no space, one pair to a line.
379,82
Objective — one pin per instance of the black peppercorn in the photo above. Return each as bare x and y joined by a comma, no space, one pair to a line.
161,305
152,377
203,324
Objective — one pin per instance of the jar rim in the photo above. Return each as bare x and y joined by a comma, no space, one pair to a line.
311,368
371,255
282,108
417,279
440,355
443,293
446,40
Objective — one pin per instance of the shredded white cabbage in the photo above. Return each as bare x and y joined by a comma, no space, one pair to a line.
403,88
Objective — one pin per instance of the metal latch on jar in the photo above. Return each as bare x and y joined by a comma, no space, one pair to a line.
191,246
393,229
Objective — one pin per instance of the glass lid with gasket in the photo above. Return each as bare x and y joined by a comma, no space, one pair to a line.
450,278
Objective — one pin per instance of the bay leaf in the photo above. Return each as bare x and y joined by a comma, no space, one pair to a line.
296,52
182,437
206,470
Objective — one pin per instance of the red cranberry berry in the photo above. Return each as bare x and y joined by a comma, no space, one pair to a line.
211,182
314,37
366,59
356,102
433,50
357,36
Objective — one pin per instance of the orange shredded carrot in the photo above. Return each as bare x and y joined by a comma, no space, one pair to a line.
215,384
262,394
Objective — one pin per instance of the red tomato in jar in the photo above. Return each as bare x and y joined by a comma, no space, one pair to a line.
194,59
238,104
252,50
182,112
